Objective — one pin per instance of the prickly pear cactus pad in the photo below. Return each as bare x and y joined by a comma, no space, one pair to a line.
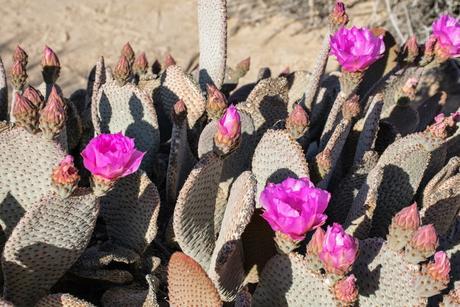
175,85
189,285
23,183
61,300
287,281
129,110
268,166
193,220
130,212
45,244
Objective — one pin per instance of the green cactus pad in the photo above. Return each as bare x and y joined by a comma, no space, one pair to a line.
129,110
130,211
226,268
193,220
27,162
46,243
269,166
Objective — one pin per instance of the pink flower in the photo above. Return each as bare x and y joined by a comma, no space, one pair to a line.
339,250
447,31
356,48
294,206
440,268
229,124
111,156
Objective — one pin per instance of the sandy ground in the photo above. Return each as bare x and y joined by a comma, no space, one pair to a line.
81,31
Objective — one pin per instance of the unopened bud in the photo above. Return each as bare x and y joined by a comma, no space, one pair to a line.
25,113
216,104
403,226
52,117
20,55
411,49
285,72
128,52
35,97
243,66
439,269
324,162
297,122
315,245
409,88
122,71
169,61
338,16
444,126
351,108
429,50
18,75
65,177
346,291
422,245
51,66
179,112
228,133
141,65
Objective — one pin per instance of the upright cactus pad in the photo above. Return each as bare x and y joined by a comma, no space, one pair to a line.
268,166
194,213
130,212
175,85
188,284
45,244
212,25
23,183
62,300
129,110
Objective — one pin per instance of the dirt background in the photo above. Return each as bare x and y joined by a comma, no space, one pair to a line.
81,31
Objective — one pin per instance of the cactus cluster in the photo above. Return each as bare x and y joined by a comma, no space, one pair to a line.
157,186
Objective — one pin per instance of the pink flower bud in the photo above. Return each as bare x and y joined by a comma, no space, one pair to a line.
345,290
338,15
50,58
20,55
65,177
408,218
228,130
351,108
244,65
66,172
409,88
425,239
440,268
429,48
324,162
169,60
444,126
53,115
297,122
34,97
122,71
25,113
217,103
339,250
111,156
294,206
18,75
446,29
128,52
356,48
179,111
411,49
315,246
141,65
56,96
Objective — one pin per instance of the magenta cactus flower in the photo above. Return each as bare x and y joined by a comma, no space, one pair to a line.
356,48
112,156
446,29
339,250
294,206
229,125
